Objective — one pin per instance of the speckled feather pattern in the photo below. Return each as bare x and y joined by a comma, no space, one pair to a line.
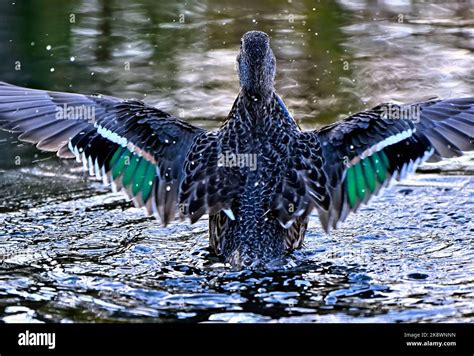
259,127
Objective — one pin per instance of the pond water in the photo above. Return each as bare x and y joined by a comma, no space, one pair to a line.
72,251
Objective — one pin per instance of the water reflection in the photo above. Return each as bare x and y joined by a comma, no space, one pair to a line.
332,58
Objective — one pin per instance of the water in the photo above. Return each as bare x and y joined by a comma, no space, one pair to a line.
72,251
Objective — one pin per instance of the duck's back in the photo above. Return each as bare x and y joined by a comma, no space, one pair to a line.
255,146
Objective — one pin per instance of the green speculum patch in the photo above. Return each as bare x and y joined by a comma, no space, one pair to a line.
361,178
135,172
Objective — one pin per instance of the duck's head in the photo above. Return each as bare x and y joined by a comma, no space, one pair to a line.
256,64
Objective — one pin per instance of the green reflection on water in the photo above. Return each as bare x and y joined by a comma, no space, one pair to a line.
166,41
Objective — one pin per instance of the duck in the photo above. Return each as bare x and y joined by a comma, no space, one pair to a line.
259,176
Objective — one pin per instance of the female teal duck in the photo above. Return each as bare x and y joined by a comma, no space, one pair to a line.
258,176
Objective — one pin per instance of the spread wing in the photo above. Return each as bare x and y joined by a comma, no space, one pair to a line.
134,147
343,165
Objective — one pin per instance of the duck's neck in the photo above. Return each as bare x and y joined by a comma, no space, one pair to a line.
257,109
260,97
